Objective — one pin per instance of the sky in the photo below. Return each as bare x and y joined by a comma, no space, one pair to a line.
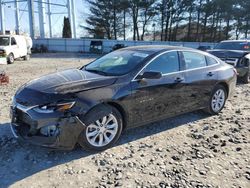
57,19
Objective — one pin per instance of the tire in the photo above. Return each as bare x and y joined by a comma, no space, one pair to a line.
27,57
217,102
246,78
99,134
10,58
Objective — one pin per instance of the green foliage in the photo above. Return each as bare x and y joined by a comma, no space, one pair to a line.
189,20
66,33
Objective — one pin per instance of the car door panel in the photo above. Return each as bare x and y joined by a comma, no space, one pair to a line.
199,83
157,98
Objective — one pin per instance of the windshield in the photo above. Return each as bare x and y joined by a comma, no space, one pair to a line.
4,41
117,63
233,46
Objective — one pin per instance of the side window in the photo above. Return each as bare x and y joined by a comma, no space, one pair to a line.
13,41
166,63
211,61
194,60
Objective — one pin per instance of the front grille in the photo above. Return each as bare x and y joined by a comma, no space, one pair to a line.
2,53
26,125
23,103
231,61
24,117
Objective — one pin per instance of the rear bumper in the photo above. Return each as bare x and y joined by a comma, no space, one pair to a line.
232,87
66,130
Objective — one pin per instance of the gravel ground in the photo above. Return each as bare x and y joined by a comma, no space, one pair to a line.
191,150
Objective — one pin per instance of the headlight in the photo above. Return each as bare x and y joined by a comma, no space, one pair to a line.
61,107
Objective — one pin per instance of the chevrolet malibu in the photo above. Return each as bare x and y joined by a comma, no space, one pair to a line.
130,87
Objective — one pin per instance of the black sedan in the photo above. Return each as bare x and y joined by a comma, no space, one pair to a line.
237,54
123,89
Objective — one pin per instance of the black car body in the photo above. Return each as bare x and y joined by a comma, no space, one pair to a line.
237,54
118,46
204,48
56,109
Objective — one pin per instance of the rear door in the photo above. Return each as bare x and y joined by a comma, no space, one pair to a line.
158,98
200,78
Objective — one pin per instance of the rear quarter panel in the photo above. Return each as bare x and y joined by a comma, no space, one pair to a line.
21,46
228,76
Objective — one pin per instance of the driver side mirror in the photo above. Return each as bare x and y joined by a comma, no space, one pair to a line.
150,75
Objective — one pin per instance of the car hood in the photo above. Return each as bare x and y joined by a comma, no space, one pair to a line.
57,85
228,53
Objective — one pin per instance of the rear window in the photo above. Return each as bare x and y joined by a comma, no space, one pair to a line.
211,61
194,60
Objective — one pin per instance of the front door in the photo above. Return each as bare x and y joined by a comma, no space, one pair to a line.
158,98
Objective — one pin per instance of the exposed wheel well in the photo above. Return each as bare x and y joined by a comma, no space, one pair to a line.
121,110
225,86
11,54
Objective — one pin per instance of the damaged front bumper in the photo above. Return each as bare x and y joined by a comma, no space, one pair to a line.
55,130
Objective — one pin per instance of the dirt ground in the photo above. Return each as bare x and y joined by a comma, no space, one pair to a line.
191,150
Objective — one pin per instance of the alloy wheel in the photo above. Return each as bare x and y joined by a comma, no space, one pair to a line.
218,100
102,131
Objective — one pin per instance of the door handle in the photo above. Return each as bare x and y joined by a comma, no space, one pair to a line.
210,74
179,79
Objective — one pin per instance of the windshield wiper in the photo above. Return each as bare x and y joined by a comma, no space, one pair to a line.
97,71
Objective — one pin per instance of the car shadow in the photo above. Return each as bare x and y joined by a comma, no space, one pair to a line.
20,160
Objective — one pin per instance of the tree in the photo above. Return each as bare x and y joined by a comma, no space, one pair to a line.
66,33
189,20
147,12
124,6
134,6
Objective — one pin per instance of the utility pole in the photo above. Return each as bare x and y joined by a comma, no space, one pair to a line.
41,10
31,18
50,19
71,15
2,17
73,18
17,17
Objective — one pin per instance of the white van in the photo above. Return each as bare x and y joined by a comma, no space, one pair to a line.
15,46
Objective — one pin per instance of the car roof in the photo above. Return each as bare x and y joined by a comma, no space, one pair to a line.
236,40
156,48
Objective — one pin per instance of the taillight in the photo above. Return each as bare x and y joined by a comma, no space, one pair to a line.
235,71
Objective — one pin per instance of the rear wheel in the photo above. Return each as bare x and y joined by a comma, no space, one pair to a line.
217,100
103,128
10,58
27,57
246,78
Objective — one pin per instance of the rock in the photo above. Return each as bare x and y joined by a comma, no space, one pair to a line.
238,111
159,149
118,184
216,136
119,176
175,158
202,172
238,149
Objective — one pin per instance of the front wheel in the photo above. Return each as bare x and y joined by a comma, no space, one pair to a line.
103,128
10,58
27,57
217,100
